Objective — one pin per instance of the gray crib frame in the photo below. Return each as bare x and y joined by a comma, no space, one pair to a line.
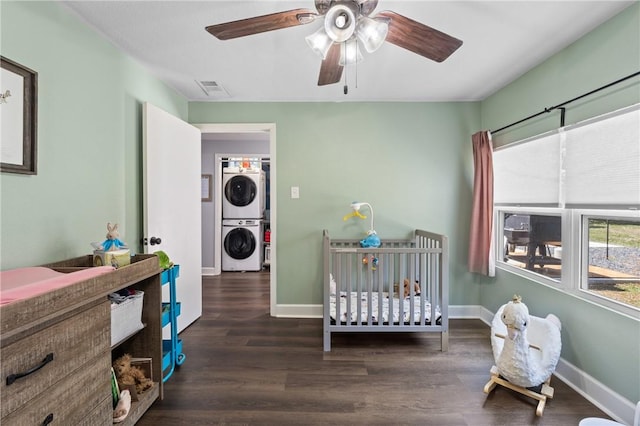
427,257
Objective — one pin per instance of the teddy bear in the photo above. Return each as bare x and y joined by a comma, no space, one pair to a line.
407,288
127,374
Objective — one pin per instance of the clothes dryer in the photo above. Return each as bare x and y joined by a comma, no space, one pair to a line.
242,245
243,194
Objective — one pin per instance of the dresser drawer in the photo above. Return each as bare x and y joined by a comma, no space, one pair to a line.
73,341
73,400
101,415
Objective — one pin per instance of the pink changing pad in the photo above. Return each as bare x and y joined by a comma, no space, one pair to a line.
23,283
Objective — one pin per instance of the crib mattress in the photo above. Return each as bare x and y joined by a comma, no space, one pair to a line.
395,316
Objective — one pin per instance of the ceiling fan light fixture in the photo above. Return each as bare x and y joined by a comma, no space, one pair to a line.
340,22
350,52
372,32
306,18
319,42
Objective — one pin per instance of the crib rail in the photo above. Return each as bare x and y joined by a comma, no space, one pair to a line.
364,287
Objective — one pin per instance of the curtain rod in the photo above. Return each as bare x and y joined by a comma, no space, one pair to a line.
561,105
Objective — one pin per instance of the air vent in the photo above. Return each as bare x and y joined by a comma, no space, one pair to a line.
212,88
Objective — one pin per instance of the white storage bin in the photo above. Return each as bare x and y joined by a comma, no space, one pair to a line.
126,317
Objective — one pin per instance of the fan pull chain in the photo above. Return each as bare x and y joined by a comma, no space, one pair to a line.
357,47
346,63
346,87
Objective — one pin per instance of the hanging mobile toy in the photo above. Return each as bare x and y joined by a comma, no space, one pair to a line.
373,259
372,239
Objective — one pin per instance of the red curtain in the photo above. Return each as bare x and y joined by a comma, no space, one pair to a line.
480,239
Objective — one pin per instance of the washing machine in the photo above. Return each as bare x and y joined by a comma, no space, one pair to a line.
241,245
243,193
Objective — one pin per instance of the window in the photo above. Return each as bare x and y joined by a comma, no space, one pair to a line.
611,259
533,242
567,209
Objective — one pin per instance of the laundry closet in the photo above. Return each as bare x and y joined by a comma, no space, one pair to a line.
235,215
243,214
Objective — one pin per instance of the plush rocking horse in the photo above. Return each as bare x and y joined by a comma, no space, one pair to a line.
526,350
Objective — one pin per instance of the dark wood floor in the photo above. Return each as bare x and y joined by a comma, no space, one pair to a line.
244,367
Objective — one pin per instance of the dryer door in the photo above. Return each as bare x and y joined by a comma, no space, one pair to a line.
240,243
240,190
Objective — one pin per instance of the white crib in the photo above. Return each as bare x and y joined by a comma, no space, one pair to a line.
364,290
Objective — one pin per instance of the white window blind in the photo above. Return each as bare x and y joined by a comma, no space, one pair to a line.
602,161
595,163
527,172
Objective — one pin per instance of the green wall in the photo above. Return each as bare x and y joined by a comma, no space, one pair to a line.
89,137
602,343
602,56
411,161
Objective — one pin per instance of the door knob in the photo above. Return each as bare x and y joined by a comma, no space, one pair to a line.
153,241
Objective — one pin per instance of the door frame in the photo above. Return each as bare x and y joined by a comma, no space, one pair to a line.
269,128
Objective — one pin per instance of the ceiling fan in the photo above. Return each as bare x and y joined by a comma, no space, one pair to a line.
347,25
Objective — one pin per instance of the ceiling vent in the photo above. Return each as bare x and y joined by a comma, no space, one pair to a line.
212,89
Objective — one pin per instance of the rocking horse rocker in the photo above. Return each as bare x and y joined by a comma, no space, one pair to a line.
526,350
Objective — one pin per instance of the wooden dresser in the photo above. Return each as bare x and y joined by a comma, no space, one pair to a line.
56,348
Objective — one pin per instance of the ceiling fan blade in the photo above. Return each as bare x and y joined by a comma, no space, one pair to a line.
331,70
367,6
260,24
419,38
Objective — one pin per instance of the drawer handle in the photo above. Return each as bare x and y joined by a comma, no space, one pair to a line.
13,377
48,419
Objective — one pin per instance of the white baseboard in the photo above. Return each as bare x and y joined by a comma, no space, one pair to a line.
208,272
299,311
615,405
470,312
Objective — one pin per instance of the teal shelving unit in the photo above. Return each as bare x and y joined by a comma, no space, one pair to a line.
172,355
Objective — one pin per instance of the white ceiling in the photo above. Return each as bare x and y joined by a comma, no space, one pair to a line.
502,41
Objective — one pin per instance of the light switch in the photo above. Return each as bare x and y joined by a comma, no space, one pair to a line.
295,192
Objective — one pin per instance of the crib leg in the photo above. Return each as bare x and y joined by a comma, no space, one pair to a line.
545,393
444,341
327,341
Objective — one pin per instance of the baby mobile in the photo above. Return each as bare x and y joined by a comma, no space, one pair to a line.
372,259
372,240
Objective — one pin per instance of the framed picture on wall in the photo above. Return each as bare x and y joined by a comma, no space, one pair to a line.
18,110
206,185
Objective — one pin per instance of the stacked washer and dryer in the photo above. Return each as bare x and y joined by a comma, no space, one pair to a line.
243,205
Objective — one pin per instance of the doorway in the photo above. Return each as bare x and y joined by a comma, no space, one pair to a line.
237,132
244,191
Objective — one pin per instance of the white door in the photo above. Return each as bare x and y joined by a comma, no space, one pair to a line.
171,203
